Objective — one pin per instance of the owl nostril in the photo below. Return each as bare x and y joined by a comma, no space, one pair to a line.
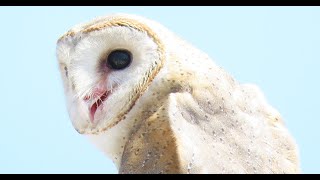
96,93
86,98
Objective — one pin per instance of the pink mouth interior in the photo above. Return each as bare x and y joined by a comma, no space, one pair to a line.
97,104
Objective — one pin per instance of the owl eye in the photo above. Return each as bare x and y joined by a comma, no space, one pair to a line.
119,59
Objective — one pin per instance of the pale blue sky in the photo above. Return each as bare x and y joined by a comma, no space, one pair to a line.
277,48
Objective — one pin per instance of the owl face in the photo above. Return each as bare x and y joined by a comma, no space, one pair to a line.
105,67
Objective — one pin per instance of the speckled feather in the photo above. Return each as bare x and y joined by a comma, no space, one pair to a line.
185,114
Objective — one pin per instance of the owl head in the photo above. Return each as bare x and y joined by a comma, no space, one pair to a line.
106,65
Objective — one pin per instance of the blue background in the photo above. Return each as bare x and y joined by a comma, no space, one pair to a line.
277,48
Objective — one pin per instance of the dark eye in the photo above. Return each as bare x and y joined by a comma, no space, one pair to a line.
119,59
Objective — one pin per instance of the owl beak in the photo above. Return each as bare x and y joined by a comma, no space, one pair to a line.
97,104
97,100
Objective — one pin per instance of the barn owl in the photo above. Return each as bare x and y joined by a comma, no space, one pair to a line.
153,103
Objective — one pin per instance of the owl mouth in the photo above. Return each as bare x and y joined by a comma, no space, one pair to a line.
98,104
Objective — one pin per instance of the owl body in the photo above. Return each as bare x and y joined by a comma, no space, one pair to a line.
172,110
